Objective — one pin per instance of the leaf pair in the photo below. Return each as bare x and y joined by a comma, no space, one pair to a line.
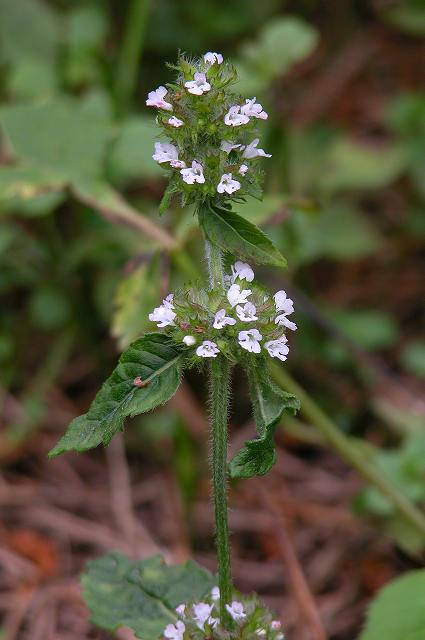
269,403
147,375
141,594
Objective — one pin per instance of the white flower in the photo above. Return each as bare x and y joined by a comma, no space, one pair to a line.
236,296
249,340
195,173
243,169
175,122
243,271
165,152
246,313
215,593
156,99
201,613
211,57
251,150
189,341
278,348
227,184
261,632
178,164
181,609
163,316
199,85
213,622
220,320
283,321
228,146
283,303
207,349
253,109
236,610
234,117
168,301
275,625
175,631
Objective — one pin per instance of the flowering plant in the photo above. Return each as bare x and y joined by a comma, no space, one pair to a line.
211,155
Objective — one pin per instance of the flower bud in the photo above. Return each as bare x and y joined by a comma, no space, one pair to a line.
189,341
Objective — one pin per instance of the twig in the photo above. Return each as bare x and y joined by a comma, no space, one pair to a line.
303,595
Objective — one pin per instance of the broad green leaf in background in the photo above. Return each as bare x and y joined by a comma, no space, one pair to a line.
135,297
281,43
58,136
131,154
32,78
398,612
349,165
236,235
143,594
269,402
413,357
29,29
23,184
407,15
157,362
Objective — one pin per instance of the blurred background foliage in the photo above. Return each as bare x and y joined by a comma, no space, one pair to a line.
84,256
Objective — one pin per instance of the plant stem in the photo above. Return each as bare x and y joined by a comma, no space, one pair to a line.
129,56
219,404
355,456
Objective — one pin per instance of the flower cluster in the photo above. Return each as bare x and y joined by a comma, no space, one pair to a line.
212,147
240,318
252,621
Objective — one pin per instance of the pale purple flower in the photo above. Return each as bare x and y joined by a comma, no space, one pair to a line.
211,57
283,321
175,122
215,593
236,610
213,622
236,296
251,151
156,99
283,303
163,316
220,320
253,109
199,85
277,348
175,631
165,152
275,625
229,146
193,174
207,349
243,271
250,340
169,301
234,117
246,313
181,609
243,169
227,184
201,613
189,341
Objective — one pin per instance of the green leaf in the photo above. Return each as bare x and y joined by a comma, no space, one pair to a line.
398,612
24,183
236,235
141,594
153,358
135,296
269,402
131,154
58,136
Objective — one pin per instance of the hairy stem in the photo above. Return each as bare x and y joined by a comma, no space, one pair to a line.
219,404
348,451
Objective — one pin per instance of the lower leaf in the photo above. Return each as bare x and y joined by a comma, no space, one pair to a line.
143,594
257,457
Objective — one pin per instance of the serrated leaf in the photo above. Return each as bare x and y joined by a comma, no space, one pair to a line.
236,235
398,612
269,402
141,594
158,362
